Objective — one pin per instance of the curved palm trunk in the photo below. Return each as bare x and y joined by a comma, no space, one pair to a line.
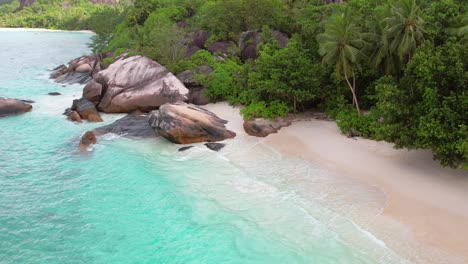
352,87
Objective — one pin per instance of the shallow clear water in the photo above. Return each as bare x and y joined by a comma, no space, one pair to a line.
141,201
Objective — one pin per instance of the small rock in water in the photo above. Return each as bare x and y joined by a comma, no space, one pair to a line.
27,101
185,148
87,140
215,146
54,93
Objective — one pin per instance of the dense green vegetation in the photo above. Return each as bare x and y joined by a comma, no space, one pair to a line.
69,15
393,70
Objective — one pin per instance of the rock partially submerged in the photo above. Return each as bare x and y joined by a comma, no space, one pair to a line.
183,123
88,139
10,107
54,93
263,127
86,110
132,125
92,92
137,83
215,146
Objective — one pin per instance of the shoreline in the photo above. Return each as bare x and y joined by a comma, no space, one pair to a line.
425,212
421,195
45,30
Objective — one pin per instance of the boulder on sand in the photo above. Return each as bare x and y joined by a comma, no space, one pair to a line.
138,83
183,123
13,107
263,127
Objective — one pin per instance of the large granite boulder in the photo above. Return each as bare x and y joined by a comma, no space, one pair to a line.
86,110
134,125
138,83
183,123
80,70
263,127
13,107
196,90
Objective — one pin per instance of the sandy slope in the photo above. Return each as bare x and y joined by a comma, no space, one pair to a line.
426,212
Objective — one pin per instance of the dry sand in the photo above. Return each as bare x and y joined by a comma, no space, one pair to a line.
425,217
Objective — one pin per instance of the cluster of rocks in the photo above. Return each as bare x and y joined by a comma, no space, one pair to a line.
247,45
83,109
80,70
180,123
157,102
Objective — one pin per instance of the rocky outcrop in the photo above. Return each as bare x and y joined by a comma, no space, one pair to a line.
223,48
263,127
183,123
138,83
80,70
196,90
250,40
86,109
10,107
87,140
199,39
24,3
134,125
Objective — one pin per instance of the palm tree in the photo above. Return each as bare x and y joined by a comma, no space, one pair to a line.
340,45
380,55
405,28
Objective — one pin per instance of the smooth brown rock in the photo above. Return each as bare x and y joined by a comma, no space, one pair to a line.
84,68
87,140
74,116
92,92
183,123
13,107
86,109
138,83
263,127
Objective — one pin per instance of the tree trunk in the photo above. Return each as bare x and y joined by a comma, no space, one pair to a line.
352,88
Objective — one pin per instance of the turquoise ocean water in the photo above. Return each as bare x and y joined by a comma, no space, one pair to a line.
141,201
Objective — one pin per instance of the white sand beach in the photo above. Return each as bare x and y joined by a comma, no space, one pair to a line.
46,30
426,210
